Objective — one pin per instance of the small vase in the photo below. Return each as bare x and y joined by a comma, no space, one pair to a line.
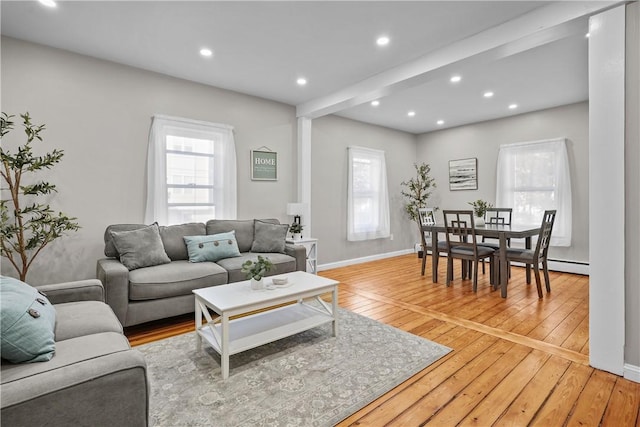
297,236
479,221
256,285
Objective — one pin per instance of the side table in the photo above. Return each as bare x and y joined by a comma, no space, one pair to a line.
311,246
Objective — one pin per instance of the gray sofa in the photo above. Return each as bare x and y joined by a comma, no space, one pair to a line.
156,292
94,377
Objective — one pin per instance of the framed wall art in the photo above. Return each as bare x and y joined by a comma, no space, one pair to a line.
463,174
264,165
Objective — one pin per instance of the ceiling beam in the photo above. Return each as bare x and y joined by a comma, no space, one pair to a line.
536,28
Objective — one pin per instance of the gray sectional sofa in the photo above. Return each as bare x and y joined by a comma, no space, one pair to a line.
94,378
142,294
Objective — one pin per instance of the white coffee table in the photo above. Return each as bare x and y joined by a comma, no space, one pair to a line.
229,337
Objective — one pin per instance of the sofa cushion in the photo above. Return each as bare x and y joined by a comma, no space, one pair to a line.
28,320
281,264
269,237
177,278
173,238
243,228
75,319
212,247
140,248
109,248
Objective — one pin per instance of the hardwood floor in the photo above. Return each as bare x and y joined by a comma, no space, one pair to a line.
516,361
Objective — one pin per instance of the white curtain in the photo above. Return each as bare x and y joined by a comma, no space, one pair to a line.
533,177
368,197
225,181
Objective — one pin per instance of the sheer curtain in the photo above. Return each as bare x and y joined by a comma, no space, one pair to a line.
220,192
368,197
535,176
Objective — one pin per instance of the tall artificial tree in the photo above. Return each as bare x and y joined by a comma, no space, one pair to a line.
27,226
417,191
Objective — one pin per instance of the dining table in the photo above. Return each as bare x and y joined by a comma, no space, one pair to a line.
503,233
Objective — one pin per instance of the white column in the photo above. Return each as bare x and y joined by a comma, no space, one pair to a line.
607,190
304,170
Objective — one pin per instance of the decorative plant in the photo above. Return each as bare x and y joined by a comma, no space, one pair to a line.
417,191
480,207
26,226
257,269
296,227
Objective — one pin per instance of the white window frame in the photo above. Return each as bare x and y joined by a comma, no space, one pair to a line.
510,159
379,225
223,182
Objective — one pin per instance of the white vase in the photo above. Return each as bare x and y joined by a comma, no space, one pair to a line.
256,285
479,221
297,236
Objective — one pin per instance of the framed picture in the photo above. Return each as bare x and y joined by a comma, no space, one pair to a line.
264,165
463,174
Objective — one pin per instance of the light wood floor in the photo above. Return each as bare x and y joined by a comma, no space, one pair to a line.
516,361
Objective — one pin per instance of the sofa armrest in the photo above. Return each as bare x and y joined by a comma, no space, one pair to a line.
110,389
81,290
115,279
299,252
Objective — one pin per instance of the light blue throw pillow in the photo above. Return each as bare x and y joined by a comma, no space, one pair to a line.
28,322
213,247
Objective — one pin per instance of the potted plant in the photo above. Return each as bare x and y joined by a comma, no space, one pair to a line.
255,270
480,209
27,226
416,192
296,229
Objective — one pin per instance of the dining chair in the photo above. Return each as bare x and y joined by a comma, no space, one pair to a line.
536,257
496,216
462,243
427,217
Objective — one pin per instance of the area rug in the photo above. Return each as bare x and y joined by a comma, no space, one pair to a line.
309,379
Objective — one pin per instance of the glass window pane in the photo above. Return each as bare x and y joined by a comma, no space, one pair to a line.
193,145
186,169
184,214
189,195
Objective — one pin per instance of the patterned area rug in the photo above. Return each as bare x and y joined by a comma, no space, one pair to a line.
310,379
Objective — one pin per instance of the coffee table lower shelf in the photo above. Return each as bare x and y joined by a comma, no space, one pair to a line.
262,328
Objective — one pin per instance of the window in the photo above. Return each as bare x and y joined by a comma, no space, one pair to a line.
191,171
533,177
368,198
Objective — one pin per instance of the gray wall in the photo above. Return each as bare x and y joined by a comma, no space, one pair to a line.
482,140
99,113
330,137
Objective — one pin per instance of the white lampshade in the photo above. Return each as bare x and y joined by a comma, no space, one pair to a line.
295,208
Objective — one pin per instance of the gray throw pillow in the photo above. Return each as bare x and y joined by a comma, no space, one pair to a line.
140,248
269,237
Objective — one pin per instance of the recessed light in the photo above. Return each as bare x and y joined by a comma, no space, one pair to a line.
513,106
488,94
455,79
411,113
48,3
375,103
382,41
440,122
301,81
206,52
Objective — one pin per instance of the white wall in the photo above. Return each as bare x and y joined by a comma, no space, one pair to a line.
99,113
482,140
330,137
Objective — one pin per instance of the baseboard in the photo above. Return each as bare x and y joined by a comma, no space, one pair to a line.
632,373
575,267
353,261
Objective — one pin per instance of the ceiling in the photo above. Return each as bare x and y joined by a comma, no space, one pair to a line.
261,48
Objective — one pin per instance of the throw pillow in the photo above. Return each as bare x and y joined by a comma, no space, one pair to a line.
269,237
140,248
28,323
213,247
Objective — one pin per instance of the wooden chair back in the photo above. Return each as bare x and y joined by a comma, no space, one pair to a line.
426,216
498,216
544,238
460,228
